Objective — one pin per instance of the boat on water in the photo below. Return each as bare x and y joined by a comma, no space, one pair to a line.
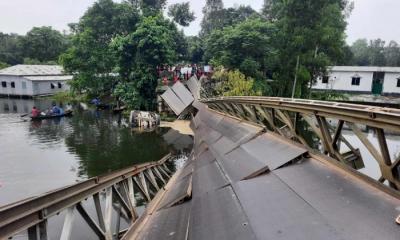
40,117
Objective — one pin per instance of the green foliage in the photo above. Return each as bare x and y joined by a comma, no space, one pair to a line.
3,65
90,58
234,83
195,49
181,14
152,44
245,46
11,49
375,53
328,95
314,30
43,44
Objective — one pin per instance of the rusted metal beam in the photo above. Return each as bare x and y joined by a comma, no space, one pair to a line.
31,212
372,116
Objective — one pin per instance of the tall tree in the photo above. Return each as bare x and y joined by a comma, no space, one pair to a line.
181,14
213,17
392,54
152,44
361,55
314,31
245,46
376,52
44,44
90,58
10,49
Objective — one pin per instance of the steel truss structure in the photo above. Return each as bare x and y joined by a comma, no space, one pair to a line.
32,215
326,120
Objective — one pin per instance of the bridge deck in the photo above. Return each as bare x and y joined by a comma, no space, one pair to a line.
242,183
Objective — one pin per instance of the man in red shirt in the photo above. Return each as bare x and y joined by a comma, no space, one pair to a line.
35,112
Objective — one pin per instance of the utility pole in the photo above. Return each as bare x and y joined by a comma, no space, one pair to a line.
295,76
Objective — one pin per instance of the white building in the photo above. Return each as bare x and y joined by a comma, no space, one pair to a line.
362,80
33,80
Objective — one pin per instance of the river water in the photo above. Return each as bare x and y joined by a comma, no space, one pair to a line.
36,157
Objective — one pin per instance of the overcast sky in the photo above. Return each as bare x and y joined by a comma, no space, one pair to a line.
370,19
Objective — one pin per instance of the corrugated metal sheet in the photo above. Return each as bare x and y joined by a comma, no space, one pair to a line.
272,151
183,93
173,101
276,212
218,215
171,223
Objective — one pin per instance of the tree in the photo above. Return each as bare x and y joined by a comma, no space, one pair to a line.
244,46
360,51
376,52
3,65
266,10
233,83
152,7
11,51
314,31
213,17
43,44
392,54
181,14
195,49
90,58
235,15
152,44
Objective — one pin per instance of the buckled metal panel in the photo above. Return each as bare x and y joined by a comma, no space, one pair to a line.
218,215
178,192
271,151
223,146
239,165
196,120
212,136
355,209
194,87
186,170
183,93
203,159
170,223
210,119
235,130
276,212
173,101
207,178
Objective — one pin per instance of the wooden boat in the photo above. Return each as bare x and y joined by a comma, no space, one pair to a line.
66,114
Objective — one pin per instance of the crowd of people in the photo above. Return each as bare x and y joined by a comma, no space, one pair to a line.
182,72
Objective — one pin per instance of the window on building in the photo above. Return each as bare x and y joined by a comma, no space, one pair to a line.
59,85
4,84
325,79
52,86
12,84
398,82
355,81
23,85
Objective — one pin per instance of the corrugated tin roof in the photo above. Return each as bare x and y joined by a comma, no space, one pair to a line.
50,78
364,69
32,70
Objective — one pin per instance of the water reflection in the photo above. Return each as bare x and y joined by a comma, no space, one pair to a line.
43,155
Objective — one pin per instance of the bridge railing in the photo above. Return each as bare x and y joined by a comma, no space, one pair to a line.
326,121
119,187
